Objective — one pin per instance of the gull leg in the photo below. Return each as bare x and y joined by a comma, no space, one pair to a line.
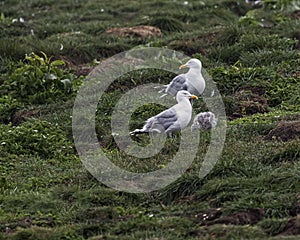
171,135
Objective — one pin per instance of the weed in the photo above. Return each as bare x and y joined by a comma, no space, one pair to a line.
39,81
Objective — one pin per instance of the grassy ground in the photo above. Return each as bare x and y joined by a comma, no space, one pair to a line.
252,53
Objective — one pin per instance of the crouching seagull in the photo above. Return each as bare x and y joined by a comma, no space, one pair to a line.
204,120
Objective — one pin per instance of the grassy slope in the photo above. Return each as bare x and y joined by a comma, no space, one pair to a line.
252,192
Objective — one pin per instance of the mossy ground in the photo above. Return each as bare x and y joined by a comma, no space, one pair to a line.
253,192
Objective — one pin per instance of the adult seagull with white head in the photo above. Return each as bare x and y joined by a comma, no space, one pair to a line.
192,81
171,120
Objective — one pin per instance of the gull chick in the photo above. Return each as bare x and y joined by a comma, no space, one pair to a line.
192,81
204,120
171,120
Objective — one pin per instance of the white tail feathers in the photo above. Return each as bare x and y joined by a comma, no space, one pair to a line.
163,95
137,131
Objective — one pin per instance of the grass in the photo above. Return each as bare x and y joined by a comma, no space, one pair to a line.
45,191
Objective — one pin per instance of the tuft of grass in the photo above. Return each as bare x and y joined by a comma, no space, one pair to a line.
272,227
234,232
167,24
14,49
287,153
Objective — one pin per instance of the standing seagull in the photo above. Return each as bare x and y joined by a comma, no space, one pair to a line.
192,81
171,120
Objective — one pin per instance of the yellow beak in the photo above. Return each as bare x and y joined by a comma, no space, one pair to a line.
182,66
193,97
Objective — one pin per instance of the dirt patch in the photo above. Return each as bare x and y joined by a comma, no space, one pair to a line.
295,15
249,101
213,216
209,215
258,90
284,131
83,70
249,216
23,115
296,74
75,64
296,35
27,222
295,209
292,227
101,214
10,227
137,31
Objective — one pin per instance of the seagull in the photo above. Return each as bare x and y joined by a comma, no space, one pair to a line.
171,120
204,120
192,81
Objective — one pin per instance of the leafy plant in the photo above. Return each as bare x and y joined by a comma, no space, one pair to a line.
39,80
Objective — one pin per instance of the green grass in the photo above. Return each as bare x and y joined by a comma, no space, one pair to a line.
45,191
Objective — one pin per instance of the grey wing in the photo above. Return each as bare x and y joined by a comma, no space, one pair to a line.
164,120
178,83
